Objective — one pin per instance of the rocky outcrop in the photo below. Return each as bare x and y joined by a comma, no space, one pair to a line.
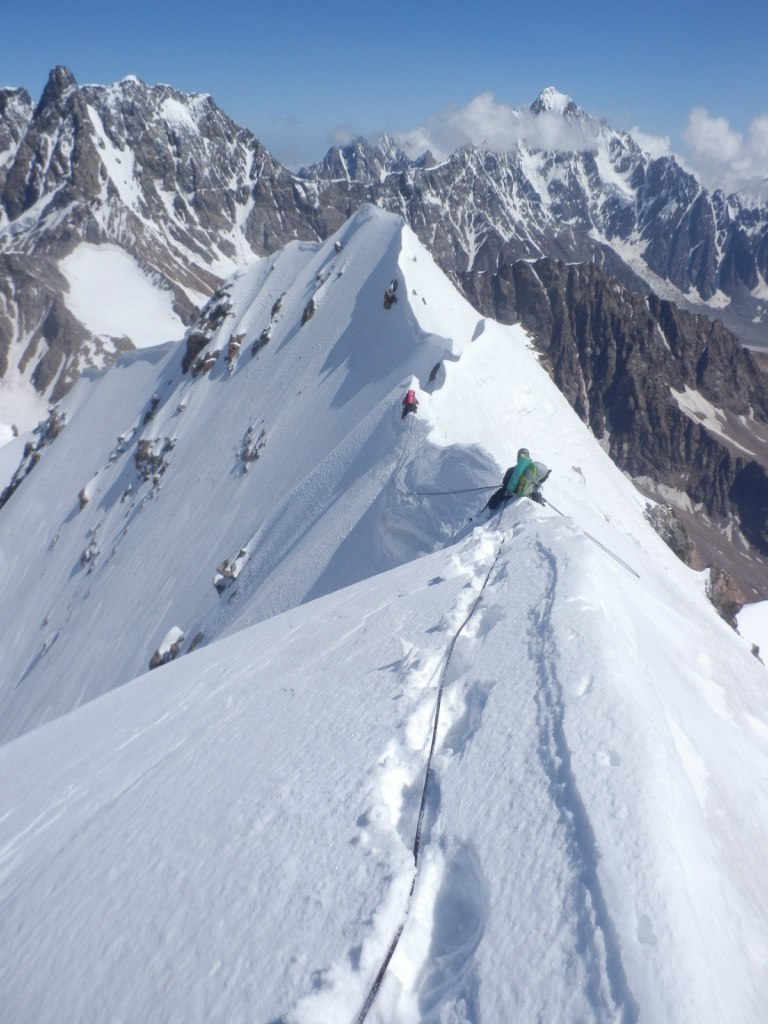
726,595
215,312
45,434
670,527
168,649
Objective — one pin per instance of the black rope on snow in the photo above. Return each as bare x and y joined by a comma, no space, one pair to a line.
385,964
417,841
440,688
595,540
467,490
404,453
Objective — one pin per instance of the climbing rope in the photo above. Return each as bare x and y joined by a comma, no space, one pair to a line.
405,451
594,540
373,992
466,490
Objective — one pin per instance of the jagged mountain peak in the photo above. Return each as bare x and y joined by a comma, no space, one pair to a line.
164,176
359,160
553,101
60,81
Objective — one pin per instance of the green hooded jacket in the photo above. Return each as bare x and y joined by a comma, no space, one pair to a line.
519,471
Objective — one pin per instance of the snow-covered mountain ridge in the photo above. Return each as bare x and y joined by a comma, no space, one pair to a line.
283,406
293,447
253,806
232,836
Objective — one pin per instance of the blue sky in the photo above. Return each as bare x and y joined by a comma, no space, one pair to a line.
301,75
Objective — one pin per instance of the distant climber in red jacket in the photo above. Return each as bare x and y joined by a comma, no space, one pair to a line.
410,403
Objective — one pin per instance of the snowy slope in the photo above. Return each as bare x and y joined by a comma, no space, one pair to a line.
110,295
292,465
326,396
231,838
334,494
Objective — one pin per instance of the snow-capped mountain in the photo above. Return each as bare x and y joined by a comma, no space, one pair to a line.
185,196
422,765
161,183
361,161
572,188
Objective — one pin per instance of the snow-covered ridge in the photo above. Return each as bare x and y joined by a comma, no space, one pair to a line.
297,401
235,831
289,411
255,805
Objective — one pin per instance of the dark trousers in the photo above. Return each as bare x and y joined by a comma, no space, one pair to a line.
498,498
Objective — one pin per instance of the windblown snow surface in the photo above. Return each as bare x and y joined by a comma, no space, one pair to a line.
233,837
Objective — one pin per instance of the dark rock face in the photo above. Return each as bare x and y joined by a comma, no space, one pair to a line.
678,402
15,111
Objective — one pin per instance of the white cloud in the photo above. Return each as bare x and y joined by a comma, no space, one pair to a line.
655,145
758,138
724,158
486,122
343,134
711,138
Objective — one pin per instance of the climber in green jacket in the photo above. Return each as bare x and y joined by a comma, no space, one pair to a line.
522,480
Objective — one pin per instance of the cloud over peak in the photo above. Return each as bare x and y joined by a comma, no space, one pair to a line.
486,122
